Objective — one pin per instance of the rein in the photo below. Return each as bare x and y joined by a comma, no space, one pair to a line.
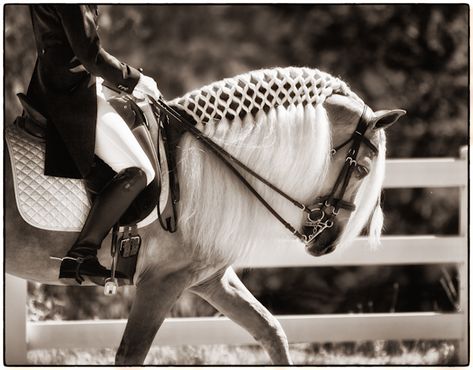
326,201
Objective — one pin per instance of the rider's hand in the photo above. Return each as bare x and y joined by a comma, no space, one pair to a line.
146,86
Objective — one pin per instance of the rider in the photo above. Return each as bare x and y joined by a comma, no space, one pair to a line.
82,125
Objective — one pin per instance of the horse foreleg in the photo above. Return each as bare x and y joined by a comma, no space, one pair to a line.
228,294
153,299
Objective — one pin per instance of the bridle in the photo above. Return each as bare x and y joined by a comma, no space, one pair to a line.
327,207
320,217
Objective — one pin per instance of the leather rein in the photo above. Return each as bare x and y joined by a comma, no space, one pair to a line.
320,217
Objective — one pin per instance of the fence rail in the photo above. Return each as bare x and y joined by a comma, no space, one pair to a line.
220,330
394,250
428,249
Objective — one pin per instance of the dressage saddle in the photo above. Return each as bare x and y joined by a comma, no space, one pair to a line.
33,124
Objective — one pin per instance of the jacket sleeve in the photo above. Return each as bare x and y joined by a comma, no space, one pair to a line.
80,29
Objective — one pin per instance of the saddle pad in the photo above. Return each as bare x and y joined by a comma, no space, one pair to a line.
46,202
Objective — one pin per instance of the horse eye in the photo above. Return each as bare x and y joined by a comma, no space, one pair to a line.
362,171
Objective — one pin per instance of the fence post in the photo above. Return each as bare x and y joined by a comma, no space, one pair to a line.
463,267
15,320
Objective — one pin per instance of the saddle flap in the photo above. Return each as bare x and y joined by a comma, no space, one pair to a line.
140,125
166,210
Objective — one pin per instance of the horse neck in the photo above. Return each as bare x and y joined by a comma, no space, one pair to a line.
287,146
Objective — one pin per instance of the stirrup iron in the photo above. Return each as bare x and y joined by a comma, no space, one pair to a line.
111,283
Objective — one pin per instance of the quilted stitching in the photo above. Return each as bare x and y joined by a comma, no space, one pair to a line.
46,202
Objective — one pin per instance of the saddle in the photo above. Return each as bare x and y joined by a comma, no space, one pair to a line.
62,204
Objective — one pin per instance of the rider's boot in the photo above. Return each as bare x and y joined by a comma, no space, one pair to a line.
106,210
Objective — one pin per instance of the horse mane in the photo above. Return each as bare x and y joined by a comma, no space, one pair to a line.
273,121
260,90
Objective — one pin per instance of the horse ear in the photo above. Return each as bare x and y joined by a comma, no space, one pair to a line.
385,118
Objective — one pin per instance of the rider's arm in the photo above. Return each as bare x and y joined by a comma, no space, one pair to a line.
80,28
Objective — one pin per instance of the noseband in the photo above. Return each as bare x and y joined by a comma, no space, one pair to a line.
320,217
327,207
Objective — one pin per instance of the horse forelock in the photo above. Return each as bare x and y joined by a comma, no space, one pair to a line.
274,122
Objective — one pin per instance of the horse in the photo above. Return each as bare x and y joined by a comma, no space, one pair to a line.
296,127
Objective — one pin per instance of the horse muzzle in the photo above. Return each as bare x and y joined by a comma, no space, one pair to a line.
324,241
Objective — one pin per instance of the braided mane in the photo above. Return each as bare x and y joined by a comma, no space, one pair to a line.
260,90
273,121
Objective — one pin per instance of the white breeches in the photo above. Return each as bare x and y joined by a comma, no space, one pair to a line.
115,144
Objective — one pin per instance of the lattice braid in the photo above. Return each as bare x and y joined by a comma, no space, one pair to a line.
259,90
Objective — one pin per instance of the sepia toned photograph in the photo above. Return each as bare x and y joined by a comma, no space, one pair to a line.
236,184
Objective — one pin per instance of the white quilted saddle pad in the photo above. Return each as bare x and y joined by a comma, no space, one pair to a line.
46,202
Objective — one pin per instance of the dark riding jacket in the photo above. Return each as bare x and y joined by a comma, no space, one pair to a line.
63,84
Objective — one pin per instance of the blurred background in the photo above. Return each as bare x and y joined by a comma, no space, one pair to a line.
413,57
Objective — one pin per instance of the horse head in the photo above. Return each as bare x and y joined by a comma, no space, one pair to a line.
357,159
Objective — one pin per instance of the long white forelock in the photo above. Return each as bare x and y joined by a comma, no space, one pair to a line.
367,202
274,122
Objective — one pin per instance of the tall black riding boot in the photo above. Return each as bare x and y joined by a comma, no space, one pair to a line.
106,210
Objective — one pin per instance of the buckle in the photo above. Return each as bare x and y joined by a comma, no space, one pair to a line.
129,246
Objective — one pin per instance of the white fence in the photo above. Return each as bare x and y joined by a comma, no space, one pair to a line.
21,336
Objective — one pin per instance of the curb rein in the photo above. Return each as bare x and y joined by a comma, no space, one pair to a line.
317,218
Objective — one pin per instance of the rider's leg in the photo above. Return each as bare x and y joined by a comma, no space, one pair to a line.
116,145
